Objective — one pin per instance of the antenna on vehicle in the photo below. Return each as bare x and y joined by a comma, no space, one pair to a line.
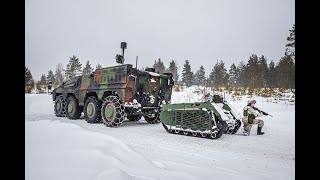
137,62
205,87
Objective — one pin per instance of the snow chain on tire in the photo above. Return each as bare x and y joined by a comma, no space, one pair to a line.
112,111
60,106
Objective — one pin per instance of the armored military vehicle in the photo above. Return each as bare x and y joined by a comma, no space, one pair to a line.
209,119
110,94
199,119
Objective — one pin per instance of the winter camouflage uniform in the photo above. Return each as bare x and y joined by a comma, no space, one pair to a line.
250,118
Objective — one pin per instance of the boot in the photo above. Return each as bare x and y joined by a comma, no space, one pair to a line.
259,131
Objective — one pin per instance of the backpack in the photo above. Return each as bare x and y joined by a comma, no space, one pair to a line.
251,117
245,111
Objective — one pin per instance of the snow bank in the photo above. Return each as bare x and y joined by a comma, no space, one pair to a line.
56,150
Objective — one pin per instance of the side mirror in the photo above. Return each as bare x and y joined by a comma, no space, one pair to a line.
170,82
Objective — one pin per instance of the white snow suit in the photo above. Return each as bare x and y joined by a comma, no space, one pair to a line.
249,118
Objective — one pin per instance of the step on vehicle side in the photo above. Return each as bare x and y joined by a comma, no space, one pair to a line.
114,93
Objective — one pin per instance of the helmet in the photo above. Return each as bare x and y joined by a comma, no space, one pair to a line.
251,102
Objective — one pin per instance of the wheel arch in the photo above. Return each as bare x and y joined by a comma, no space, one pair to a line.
89,94
109,93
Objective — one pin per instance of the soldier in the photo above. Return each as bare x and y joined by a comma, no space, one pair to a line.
249,119
49,87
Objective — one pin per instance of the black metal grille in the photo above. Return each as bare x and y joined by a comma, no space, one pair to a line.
193,119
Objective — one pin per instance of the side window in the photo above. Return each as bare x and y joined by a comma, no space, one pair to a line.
131,81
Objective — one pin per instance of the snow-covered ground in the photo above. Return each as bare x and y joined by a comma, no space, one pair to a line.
62,149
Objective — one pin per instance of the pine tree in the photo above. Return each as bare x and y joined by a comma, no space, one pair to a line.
87,69
271,78
200,76
50,76
253,71
187,74
159,66
292,76
98,66
290,46
28,75
213,75
192,78
208,82
43,80
290,51
174,70
58,76
219,76
29,83
226,78
233,73
73,68
285,69
263,72
242,80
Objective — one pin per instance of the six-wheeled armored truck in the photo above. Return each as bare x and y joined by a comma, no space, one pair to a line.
112,94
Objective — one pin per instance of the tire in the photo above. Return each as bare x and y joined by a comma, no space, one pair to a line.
154,120
60,106
203,135
134,117
112,112
72,108
195,134
186,133
92,110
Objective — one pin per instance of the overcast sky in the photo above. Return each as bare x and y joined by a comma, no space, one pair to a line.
202,31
